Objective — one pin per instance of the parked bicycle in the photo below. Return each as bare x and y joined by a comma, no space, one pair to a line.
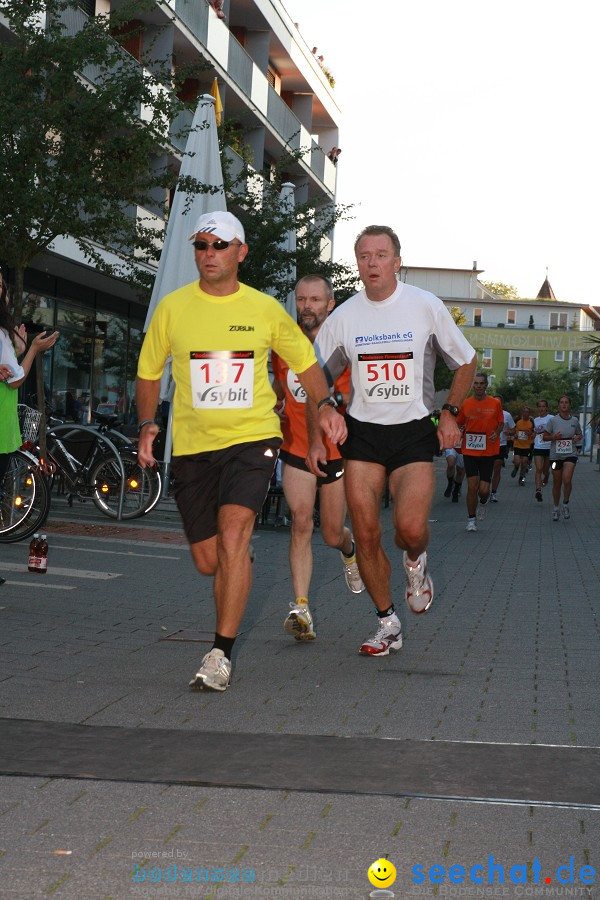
93,463
24,492
88,459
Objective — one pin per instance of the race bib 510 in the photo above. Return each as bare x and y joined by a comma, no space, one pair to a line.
387,377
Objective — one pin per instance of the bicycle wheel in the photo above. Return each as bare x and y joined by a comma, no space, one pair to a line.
24,499
142,486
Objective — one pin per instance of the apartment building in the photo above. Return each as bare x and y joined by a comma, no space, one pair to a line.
272,87
512,336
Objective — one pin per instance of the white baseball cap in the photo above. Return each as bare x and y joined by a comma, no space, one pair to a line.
222,224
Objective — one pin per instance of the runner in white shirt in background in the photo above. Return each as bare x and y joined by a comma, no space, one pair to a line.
499,462
565,436
390,334
541,448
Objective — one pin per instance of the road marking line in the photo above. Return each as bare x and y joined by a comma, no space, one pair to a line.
113,552
55,587
70,573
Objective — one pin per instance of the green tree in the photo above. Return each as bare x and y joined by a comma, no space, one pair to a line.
255,198
592,374
443,376
549,384
505,291
76,156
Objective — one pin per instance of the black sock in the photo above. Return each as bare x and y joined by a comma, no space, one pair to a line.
483,501
352,552
386,612
223,643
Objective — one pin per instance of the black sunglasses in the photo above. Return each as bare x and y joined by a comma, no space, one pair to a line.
216,245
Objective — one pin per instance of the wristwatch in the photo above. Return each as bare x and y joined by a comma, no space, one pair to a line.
326,401
453,410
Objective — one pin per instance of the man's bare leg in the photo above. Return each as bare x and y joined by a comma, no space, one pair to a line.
227,557
300,489
365,484
412,489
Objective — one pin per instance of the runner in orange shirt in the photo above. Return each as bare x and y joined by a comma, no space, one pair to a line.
523,445
314,302
483,421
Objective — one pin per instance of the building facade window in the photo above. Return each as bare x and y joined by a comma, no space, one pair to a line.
477,317
93,363
486,359
579,359
523,363
559,356
511,317
558,321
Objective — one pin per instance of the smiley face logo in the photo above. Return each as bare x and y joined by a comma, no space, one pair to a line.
381,873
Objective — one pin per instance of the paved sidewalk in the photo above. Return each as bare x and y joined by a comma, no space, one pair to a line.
509,654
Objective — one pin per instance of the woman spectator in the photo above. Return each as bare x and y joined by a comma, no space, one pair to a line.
13,342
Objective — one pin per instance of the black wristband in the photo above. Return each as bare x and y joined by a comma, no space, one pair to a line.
339,398
145,422
326,401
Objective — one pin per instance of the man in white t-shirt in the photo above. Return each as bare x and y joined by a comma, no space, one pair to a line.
500,461
541,448
390,334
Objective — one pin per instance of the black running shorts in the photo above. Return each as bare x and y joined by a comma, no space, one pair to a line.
391,446
558,463
481,466
333,467
206,481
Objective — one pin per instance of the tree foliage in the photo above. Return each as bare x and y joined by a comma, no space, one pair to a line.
499,289
548,384
443,376
255,197
592,375
76,156
77,159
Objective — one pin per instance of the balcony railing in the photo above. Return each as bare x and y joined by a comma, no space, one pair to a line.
194,14
283,119
240,65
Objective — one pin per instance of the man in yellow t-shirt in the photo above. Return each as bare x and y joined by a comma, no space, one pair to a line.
226,434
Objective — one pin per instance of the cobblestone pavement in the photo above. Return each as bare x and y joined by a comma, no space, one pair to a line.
509,653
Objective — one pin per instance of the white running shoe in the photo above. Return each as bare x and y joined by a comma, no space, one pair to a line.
299,623
387,637
566,511
481,511
351,573
493,497
471,525
214,673
555,515
419,587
